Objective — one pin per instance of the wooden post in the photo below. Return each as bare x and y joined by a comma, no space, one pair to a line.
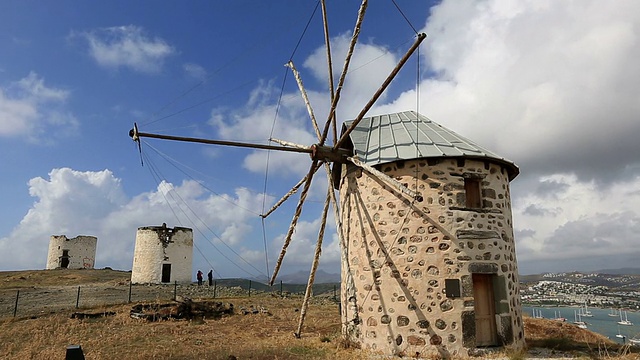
15,308
78,298
280,288
129,291
249,288
215,285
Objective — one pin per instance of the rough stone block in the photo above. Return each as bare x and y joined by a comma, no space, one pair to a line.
469,329
505,335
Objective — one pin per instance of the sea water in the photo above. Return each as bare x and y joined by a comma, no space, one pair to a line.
600,322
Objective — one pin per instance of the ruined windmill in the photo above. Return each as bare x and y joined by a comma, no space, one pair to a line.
425,227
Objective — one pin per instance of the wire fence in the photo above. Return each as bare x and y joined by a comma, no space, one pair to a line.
34,301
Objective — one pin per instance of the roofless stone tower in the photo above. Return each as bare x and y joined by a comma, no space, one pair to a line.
75,253
162,255
435,273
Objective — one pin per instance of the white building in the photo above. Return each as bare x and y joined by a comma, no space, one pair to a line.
162,255
75,253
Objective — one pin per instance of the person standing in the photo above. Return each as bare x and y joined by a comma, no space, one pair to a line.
210,276
199,276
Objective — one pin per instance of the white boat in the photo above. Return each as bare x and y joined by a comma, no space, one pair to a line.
585,311
537,313
635,342
613,313
619,335
578,320
624,321
558,316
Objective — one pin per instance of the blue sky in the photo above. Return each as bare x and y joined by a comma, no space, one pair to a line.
549,85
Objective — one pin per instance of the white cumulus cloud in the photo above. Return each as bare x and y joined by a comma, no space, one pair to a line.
30,109
127,46
551,85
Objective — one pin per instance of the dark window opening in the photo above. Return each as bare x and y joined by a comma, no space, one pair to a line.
452,288
472,193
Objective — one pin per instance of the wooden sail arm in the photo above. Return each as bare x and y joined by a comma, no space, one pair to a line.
382,88
316,260
305,97
286,196
327,41
386,178
303,195
345,69
290,144
317,152
136,135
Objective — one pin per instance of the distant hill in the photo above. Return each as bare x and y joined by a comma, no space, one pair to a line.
301,277
622,271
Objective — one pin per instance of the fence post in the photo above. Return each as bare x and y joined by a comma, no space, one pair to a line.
78,298
334,293
15,308
215,285
175,290
129,290
280,288
249,288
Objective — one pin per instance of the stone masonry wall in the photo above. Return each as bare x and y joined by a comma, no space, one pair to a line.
158,245
402,253
81,251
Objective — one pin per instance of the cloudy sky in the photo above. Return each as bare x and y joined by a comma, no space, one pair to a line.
550,85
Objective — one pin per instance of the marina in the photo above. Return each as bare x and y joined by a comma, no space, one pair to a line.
600,322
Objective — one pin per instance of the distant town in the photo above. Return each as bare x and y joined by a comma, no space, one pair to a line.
579,289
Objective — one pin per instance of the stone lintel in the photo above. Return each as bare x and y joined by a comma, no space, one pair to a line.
483,268
484,211
477,234
468,175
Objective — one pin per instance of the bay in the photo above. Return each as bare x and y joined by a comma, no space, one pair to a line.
600,322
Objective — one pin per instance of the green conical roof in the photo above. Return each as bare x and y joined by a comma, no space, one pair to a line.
408,135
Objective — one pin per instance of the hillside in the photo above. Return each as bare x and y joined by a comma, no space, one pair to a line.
14,280
613,281
261,335
60,277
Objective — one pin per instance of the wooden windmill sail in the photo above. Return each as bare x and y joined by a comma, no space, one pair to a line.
322,153
424,223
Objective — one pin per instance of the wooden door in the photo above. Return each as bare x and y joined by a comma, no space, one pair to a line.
485,310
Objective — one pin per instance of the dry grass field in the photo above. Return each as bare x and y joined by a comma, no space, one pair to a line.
251,336
260,335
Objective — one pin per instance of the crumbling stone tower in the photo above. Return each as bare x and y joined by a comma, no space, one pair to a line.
162,255
434,274
75,253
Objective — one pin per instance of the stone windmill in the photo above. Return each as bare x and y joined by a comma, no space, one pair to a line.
429,262
424,220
